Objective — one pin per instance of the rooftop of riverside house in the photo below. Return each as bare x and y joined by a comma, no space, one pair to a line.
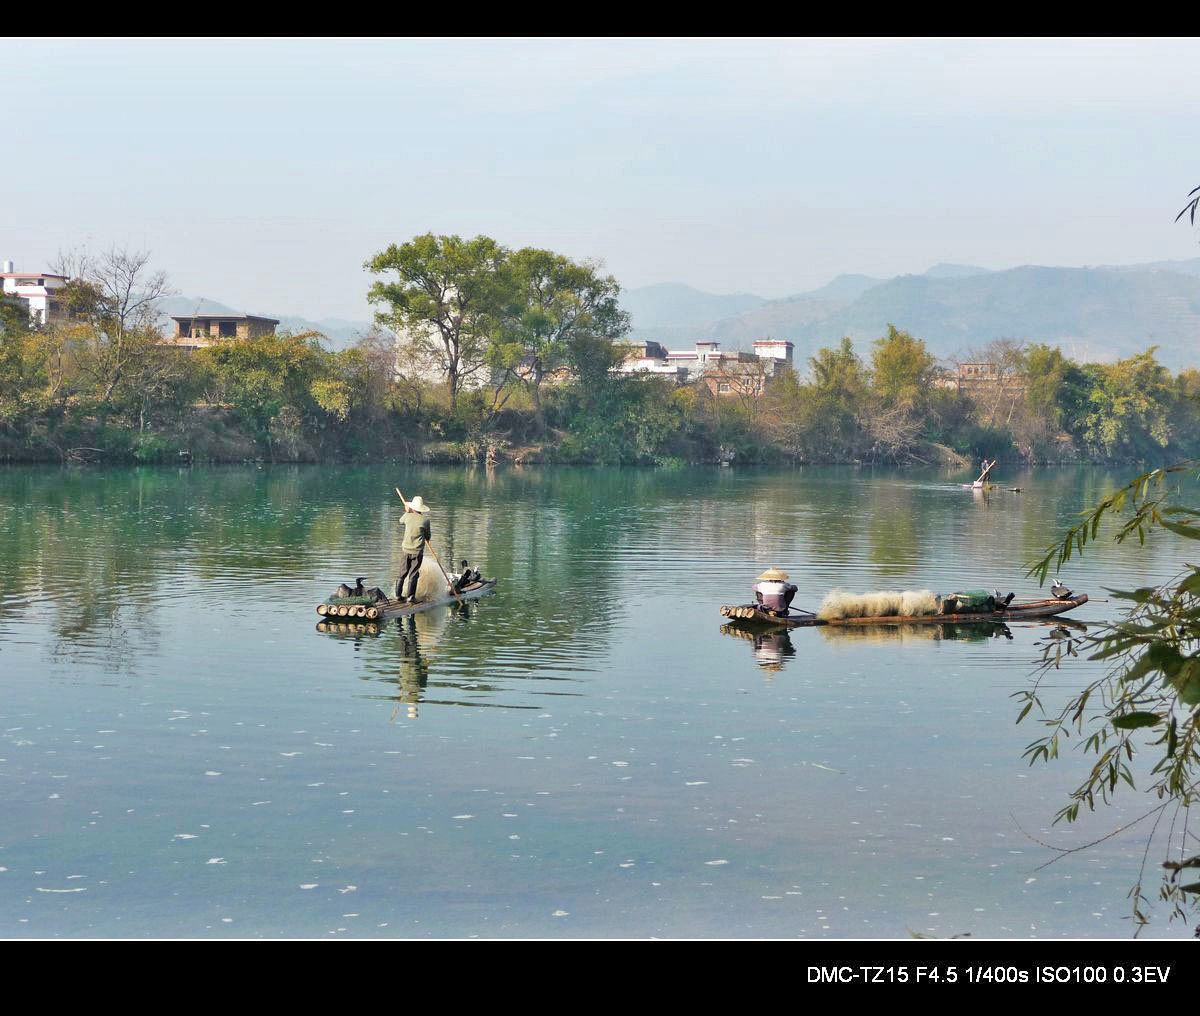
205,316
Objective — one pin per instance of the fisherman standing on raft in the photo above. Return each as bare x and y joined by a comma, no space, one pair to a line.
416,535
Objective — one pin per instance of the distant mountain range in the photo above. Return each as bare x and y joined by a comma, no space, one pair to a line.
340,332
672,304
1094,313
1101,313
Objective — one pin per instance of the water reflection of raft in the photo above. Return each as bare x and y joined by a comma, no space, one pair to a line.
752,616
386,609
355,628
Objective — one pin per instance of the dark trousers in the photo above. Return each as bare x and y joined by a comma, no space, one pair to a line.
409,573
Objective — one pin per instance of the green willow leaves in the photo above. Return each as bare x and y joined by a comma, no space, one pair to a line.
1148,699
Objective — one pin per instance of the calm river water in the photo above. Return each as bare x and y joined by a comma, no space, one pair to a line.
583,753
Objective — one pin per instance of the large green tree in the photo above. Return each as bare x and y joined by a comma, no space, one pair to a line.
445,296
24,359
275,384
830,406
901,368
554,303
1047,372
1129,408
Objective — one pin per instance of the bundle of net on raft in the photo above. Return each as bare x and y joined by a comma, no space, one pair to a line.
840,604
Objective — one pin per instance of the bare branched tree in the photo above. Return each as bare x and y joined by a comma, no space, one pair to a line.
998,393
115,295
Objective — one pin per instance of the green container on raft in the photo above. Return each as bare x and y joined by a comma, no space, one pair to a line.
970,601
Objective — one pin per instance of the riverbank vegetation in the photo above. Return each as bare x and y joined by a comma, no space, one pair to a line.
509,355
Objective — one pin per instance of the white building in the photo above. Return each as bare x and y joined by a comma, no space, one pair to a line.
39,290
706,357
650,358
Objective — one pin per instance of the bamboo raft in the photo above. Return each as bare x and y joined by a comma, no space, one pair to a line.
751,615
384,610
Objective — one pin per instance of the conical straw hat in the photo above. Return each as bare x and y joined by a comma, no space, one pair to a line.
773,575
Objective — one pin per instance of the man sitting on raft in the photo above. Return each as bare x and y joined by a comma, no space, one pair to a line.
416,535
773,592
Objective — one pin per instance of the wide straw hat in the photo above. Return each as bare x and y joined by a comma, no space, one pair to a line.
417,505
773,575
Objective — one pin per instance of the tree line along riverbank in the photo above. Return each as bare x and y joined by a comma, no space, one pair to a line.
512,360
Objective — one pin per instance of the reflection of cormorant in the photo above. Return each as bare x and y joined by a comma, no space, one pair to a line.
414,671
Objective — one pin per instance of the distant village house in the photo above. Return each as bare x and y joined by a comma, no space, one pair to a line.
198,331
980,378
727,373
39,291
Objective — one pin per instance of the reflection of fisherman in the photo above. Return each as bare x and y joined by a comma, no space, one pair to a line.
771,651
416,534
414,671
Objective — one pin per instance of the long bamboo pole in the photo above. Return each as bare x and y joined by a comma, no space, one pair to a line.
429,544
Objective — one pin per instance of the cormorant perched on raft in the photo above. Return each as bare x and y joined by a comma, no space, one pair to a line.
359,589
466,575
375,593
1059,591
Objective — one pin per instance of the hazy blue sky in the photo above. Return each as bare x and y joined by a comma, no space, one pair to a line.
264,173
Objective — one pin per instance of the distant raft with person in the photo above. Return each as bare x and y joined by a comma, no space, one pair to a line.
357,602
773,596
